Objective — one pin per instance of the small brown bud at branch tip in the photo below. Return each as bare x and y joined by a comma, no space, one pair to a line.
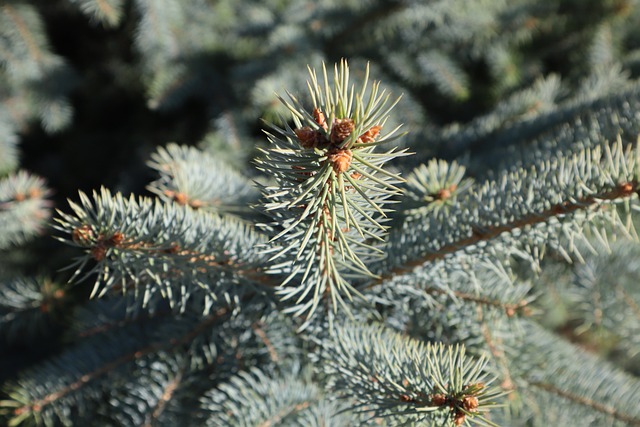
340,160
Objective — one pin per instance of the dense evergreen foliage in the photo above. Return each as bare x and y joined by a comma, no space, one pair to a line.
319,213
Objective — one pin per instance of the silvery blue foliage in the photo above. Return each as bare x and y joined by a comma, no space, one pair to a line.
488,279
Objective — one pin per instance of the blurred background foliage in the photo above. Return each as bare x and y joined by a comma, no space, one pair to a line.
125,76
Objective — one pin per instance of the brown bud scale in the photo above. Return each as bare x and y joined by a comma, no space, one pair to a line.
341,130
116,239
438,400
83,234
180,198
310,138
320,119
98,252
370,135
35,193
458,418
340,160
470,403
626,188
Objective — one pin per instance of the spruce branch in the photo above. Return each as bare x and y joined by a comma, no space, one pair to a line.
477,307
496,347
105,315
603,296
24,208
603,408
160,251
391,375
192,177
569,128
445,74
595,405
555,376
509,308
541,188
519,107
434,186
148,365
424,296
8,148
159,394
521,212
109,12
158,31
254,399
21,27
46,393
28,306
35,81
329,202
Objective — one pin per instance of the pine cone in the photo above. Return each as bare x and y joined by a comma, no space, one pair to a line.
341,129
